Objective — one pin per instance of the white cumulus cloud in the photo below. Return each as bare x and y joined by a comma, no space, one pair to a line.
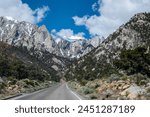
112,14
21,11
67,34
95,6
41,13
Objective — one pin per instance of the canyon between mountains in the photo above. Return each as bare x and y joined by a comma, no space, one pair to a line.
34,65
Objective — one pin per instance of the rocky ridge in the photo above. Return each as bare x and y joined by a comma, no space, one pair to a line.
123,53
29,36
24,34
99,62
78,48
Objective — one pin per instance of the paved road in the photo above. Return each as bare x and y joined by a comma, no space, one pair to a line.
57,92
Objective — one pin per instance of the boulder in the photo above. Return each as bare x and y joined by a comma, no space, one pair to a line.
114,77
121,81
1,80
125,86
148,84
124,93
134,91
119,87
9,88
108,93
133,96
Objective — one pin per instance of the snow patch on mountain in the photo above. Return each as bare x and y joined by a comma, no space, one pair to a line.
32,37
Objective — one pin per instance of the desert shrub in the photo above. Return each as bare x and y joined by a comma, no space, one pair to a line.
73,84
134,61
148,90
46,84
12,80
93,96
36,83
124,77
143,82
83,82
113,77
92,84
86,90
29,82
140,79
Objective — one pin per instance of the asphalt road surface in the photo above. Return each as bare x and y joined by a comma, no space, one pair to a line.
57,92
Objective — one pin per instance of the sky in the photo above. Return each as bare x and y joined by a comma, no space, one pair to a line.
75,19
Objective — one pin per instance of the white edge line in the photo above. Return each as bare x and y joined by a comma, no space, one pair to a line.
73,92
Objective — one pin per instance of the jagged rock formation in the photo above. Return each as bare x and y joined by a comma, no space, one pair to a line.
99,62
29,39
78,48
32,37
24,34
37,42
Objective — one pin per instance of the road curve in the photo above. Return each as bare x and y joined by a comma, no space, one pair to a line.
57,92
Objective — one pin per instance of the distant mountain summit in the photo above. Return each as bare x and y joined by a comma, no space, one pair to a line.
78,48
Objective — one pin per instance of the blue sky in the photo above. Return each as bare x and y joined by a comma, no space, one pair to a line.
61,12
75,19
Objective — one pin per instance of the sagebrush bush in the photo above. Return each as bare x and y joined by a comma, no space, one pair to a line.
86,90
93,96
12,80
92,85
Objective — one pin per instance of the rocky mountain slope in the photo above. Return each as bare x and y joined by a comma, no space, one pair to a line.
121,63
33,41
38,43
119,68
30,59
100,61
24,34
18,74
32,37
78,48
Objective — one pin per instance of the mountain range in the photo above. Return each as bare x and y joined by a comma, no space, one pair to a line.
38,43
117,67
87,59
29,36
